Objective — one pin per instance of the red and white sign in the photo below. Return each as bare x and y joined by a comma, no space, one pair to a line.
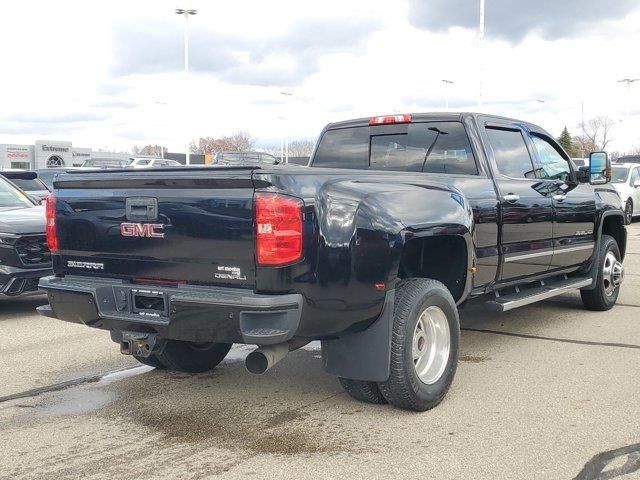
17,152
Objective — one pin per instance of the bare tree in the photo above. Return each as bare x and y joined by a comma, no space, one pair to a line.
240,141
596,135
156,150
301,148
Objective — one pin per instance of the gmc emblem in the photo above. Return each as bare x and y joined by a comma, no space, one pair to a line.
148,230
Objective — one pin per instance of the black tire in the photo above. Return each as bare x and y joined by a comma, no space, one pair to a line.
191,357
363,391
597,298
151,360
404,389
628,212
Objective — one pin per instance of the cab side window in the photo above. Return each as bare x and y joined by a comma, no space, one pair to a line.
553,165
635,176
510,152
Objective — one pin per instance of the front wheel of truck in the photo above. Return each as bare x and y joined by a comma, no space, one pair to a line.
608,277
192,357
424,345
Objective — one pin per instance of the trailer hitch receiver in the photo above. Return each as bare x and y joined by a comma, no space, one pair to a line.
139,344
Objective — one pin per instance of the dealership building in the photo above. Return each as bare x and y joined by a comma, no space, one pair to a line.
49,154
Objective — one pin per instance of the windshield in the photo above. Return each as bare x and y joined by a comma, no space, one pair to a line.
11,197
32,185
619,174
246,158
104,163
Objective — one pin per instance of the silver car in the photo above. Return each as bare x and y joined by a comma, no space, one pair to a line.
626,180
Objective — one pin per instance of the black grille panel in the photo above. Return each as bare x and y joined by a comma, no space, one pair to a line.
33,250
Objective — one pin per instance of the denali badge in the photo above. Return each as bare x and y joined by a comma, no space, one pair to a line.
87,265
149,230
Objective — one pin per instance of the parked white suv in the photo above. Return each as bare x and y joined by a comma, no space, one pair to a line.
626,180
145,162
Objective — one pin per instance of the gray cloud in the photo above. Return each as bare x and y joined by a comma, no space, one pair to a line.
159,49
513,20
111,88
57,118
114,103
47,123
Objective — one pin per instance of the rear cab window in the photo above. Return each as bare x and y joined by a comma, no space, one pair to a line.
428,147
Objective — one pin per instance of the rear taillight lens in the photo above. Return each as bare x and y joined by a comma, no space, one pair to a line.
278,229
52,230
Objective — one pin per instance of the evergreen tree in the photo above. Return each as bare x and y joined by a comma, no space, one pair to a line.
567,142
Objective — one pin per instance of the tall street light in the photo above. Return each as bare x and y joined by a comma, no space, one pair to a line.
447,84
185,14
481,55
628,81
285,154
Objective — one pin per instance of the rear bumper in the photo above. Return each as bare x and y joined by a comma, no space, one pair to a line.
16,281
190,313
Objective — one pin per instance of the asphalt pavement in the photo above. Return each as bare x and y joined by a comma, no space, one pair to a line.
548,391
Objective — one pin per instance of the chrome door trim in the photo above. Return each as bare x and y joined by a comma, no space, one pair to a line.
546,253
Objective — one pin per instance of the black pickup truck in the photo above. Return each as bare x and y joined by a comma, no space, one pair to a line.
397,222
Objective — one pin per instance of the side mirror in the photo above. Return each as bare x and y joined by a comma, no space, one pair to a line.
599,168
583,175
636,184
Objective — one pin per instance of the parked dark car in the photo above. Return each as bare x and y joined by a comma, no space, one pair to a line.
628,159
24,255
398,221
245,158
104,163
28,182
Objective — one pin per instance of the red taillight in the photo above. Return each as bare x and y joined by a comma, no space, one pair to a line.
52,230
390,119
278,229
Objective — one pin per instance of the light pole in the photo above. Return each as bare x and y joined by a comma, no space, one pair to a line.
287,95
481,55
185,14
628,81
447,84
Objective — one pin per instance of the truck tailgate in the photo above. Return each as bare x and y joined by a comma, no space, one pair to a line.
185,225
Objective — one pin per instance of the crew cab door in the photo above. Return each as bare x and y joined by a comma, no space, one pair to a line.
526,216
574,206
635,195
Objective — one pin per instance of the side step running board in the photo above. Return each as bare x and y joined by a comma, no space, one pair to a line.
547,289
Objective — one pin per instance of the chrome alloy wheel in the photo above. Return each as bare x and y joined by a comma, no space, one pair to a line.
431,345
628,212
612,273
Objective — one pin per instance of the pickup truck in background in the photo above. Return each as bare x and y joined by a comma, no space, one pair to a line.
398,221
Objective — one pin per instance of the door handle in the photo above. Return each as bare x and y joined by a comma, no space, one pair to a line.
559,198
511,197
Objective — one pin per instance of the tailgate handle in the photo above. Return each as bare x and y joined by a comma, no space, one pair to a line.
140,209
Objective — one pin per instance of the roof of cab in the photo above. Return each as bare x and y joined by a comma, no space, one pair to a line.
426,117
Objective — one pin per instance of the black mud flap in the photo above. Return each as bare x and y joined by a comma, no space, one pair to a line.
364,355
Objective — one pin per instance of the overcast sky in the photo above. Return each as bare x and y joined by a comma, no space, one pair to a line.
109,74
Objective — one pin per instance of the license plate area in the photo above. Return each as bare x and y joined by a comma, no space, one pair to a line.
149,302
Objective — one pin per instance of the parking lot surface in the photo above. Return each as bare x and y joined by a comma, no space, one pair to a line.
548,391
